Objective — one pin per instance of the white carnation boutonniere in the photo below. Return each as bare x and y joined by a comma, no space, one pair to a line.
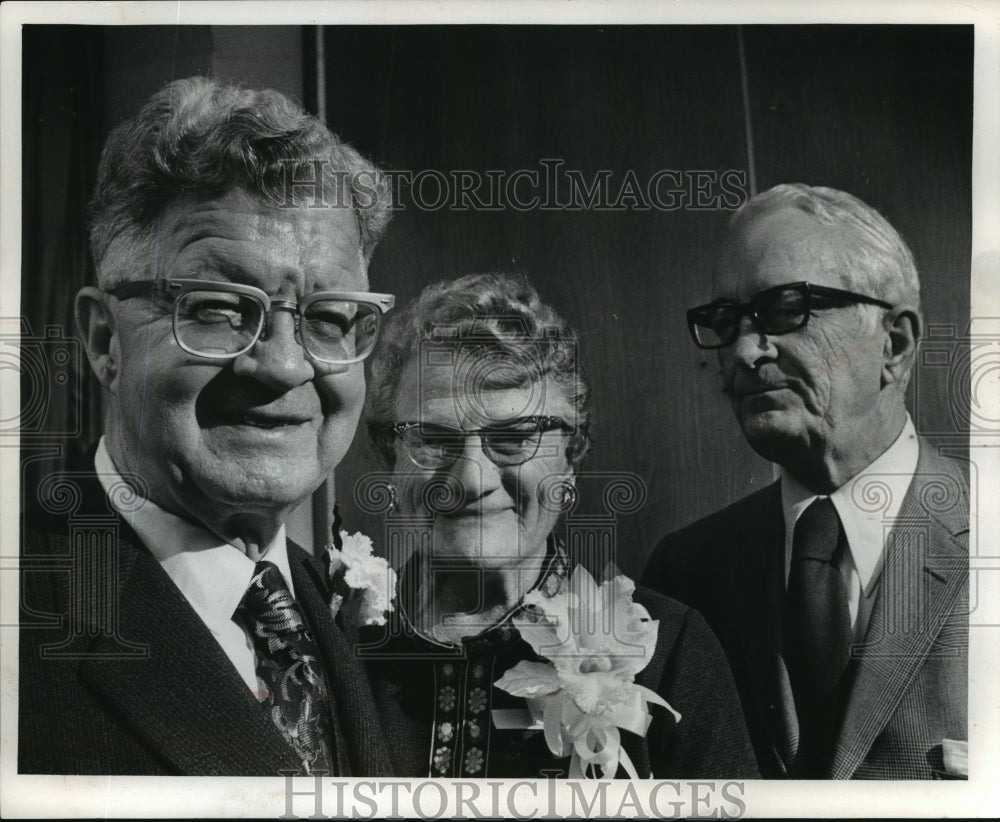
362,583
596,639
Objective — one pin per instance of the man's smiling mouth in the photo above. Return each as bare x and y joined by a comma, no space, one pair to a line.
265,422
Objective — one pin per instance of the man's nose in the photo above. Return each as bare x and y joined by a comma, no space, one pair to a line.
752,346
277,359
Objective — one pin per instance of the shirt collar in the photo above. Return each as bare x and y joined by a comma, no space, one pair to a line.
867,504
211,574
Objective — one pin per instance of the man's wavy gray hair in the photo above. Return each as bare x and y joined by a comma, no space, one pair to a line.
497,316
872,257
198,137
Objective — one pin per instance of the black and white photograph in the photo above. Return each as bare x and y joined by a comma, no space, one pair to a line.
463,410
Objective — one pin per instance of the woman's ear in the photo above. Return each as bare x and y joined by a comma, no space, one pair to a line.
97,325
905,326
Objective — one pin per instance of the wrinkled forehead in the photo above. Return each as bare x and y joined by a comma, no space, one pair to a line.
240,237
472,391
776,248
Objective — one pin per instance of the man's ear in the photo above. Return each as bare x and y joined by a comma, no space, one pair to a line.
100,338
905,325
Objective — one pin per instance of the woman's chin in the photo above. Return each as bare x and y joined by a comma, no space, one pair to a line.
488,542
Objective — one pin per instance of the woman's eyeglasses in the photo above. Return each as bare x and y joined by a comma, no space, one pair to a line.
432,446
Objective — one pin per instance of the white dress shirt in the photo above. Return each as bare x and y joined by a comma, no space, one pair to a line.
211,574
867,505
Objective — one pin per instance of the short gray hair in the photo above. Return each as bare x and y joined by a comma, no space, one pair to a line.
198,137
501,317
874,258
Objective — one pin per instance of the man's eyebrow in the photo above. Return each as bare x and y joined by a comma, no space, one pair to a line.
215,261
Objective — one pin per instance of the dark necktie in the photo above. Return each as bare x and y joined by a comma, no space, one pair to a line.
817,634
288,667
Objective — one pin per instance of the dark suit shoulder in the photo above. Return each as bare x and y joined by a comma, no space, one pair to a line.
688,559
681,626
660,606
690,671
74,492
727,522
673,615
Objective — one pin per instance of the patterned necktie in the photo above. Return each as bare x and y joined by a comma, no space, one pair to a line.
289,671
817,634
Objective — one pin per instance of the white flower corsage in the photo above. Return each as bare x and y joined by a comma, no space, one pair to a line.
596,640
363,584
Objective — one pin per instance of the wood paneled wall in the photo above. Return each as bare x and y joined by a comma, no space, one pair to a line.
883,112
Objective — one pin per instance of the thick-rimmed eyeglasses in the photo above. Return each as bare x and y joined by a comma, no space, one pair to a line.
513,442
222,320
777,310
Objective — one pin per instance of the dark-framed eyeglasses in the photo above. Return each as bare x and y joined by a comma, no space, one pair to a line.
512,442
221,320
777,310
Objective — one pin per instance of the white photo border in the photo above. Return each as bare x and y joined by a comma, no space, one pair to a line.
116,797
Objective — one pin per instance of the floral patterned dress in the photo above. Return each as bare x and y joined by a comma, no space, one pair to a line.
445,718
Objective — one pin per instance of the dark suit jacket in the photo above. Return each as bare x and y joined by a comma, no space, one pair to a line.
688,670
908,686
118,675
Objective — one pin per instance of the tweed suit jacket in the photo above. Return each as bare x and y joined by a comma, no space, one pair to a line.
907,681
119,675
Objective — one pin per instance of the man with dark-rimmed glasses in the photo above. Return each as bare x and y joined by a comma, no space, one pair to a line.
231,234
840,592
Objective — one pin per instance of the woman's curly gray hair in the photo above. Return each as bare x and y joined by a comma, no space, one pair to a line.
494,316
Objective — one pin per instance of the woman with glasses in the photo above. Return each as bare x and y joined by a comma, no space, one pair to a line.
479,408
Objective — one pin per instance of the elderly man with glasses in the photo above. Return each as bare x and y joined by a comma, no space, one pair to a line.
231,234
840,592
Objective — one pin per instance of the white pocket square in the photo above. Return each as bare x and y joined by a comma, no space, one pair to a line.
956,757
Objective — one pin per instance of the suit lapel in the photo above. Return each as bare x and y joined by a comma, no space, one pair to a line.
757,586
924,574
360,743
183,697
